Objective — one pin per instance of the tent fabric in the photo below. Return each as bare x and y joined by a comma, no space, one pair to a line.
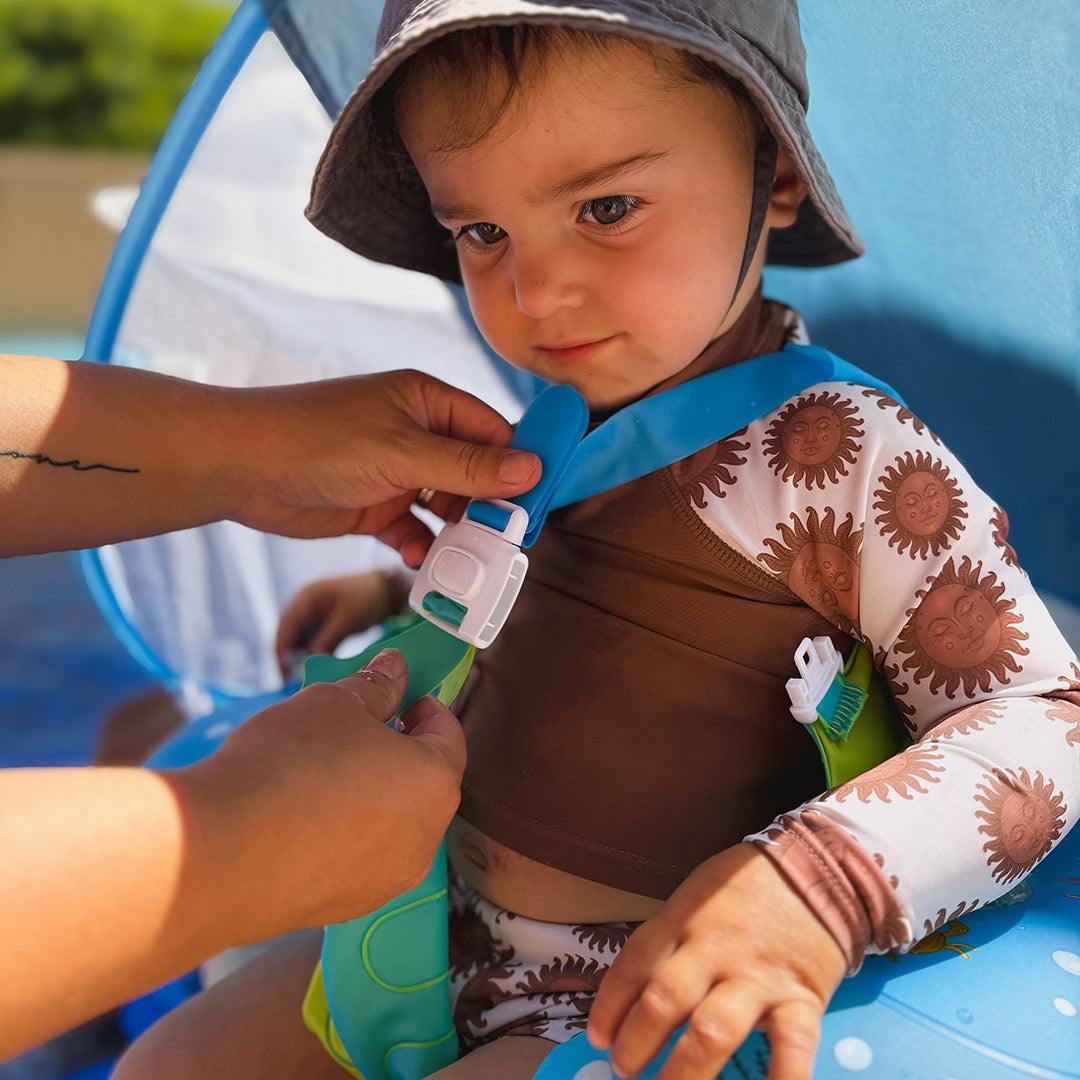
331,42
951,132
234,287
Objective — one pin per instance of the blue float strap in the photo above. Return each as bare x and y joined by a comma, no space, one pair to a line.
471,577
369,964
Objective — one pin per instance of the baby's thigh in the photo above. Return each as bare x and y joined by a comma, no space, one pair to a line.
247,1025
516,1057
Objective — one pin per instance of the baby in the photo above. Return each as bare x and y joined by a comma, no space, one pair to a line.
607,181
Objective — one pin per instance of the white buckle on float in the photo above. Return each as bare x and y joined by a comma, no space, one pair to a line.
473,572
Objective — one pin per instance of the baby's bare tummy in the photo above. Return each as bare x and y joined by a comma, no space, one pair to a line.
537,891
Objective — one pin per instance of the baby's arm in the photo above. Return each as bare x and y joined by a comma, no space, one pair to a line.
983,678
852,502
321,615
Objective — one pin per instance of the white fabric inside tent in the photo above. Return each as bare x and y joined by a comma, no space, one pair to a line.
236,288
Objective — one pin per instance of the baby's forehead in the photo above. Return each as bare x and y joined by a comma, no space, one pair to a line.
471,84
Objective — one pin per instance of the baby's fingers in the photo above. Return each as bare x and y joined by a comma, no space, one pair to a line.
671,993
716,1028
631,972
794,1031
339,624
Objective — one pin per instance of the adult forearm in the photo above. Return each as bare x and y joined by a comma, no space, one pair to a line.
94,453
91,453
96,908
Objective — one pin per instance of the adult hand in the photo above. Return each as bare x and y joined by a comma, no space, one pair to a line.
119,879
734,948
350,456
338,812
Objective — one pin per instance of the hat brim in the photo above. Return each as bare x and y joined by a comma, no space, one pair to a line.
369,197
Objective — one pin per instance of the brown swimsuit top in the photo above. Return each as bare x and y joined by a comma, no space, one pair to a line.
631,719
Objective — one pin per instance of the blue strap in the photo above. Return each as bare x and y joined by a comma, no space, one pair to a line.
658,430
551,428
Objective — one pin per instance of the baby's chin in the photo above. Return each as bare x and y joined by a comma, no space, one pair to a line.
604,397
611,399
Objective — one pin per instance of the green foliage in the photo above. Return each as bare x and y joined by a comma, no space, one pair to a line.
103,73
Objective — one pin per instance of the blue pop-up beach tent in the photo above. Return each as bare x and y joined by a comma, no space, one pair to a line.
953,132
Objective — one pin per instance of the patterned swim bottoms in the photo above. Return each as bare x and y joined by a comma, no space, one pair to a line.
510,975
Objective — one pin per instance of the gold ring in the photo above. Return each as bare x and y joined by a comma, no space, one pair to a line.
424,497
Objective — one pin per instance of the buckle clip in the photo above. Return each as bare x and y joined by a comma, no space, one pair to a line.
474,571
819,662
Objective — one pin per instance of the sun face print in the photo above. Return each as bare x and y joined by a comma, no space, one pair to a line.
710,469
819,562
999,526
814,439
962,633
902,775
922,509
604,937
565,975
472,944
903,413
1023,818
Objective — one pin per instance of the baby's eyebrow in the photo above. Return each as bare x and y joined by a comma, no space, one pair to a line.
600,174
590,178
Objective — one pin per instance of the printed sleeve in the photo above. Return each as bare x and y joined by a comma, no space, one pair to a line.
853,503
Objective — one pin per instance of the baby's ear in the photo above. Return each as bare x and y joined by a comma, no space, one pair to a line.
787,195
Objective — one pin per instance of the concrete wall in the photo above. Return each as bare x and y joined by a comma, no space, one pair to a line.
53,252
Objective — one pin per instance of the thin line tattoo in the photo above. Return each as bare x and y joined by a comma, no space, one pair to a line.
75,463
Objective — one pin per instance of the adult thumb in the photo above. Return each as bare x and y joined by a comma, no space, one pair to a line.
380,684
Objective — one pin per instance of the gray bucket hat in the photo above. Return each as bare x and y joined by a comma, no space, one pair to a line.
374,202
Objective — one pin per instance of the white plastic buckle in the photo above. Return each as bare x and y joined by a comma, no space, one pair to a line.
818,662
473,573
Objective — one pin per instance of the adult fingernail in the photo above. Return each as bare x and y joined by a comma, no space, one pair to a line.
390,662
516,467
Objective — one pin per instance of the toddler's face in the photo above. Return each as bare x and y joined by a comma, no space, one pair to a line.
600,224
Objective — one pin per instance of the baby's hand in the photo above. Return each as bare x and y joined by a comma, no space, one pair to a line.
732,949
321,615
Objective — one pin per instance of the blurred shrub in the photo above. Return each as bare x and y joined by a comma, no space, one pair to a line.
103,73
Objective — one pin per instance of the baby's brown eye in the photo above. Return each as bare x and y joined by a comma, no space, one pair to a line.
484,232
609,209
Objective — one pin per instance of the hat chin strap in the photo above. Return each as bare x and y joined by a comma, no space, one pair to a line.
765,156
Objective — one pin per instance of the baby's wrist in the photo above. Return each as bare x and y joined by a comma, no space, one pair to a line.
396,584
839,882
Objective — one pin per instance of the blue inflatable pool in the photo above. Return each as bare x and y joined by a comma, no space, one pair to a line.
995,994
